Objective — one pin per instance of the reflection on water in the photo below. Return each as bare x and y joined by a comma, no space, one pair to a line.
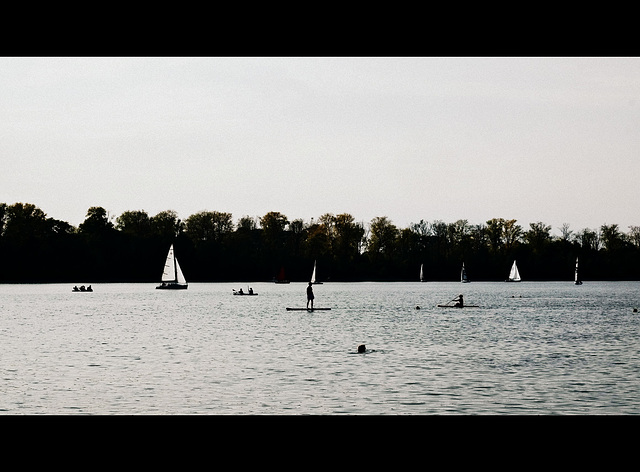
531,348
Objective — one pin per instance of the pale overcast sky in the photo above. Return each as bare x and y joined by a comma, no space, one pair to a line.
555,140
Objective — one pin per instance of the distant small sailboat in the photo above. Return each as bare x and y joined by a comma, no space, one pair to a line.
577,278
514,275
280,279
172,276
463,275
422,273
313,275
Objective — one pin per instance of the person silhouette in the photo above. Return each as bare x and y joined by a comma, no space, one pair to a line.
310,296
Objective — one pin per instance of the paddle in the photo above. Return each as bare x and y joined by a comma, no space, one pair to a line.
452,300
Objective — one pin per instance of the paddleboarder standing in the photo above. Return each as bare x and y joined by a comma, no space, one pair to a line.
309,296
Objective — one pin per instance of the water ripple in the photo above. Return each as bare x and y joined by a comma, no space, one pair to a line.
551,349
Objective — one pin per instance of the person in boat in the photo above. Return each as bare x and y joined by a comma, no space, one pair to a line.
75,288
240,292
250,291
89,289
83,288
310,296
459,301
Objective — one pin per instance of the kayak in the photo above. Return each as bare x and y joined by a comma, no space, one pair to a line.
243,293
453,306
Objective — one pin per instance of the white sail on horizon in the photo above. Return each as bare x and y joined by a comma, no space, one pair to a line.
514,275
463,275
577,280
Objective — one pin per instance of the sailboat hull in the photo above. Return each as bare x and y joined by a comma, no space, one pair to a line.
172,287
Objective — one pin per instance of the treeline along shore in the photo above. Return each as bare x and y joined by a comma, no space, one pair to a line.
212,247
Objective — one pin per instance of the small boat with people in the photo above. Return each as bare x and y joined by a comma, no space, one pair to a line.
241,292
82,288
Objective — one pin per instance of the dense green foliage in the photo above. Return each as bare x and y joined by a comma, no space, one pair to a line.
211,247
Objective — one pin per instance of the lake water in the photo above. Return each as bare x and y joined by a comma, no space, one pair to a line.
529,349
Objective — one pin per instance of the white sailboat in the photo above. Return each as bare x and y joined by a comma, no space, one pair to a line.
577,279
172,276
422,273
463,275
514,275
313,275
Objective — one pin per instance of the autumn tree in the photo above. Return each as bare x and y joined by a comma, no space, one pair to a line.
96,223
612,238
135,222
538,236
166,225
208,226
383,236
273,226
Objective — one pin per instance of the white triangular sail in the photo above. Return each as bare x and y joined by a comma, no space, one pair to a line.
179,275
577,278
463,275
421,272
172,276
169,274
514,275
313,274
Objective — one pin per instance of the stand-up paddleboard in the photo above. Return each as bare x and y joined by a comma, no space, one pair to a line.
306,309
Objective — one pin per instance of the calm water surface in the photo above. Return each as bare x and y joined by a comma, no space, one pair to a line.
531,348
